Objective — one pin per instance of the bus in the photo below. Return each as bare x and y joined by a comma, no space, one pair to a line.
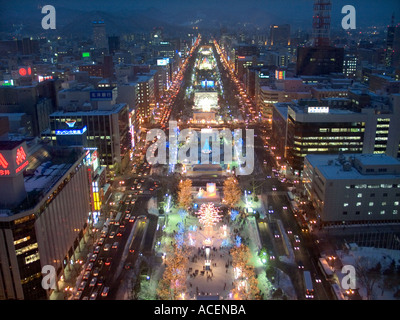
326,270
308,285
337,292
290,196
117,219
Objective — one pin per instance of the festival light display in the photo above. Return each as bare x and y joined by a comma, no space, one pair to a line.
209,215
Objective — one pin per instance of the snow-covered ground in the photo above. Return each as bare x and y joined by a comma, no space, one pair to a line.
384,286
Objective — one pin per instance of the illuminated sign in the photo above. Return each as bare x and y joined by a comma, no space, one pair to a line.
7,82
43,78
21,156
71,132
280,75
13,161
24,71
3,162
241,57
85,54
70,123
101,95
162,62
318,109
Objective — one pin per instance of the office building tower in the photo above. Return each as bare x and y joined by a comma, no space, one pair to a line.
99,34
279,35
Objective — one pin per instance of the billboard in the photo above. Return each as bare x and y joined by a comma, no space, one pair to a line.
162,61
85,54
12,162
101,95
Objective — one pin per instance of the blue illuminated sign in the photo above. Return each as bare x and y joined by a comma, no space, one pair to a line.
101,95
71,132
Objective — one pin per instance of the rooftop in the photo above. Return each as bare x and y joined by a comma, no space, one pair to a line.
331,168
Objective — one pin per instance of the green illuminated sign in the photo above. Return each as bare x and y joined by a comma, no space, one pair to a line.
85,54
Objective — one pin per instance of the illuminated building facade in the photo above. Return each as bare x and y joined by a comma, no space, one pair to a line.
106,130
353,188
46,224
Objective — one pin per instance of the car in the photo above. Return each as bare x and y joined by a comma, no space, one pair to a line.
132,219
96,249
105,291
82,286
296,248
296,238
271,255
273,188
108,261
107,247
96,272
112,234
100,281
300,265
89,266
93,296
127,216
270,209
120,233
100,242
131,250
86,275
93,282
317,279
78,295
115,245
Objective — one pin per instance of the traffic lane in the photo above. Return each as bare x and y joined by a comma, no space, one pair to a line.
130,259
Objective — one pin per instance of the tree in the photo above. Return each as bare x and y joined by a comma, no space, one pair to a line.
185,194
173,283
209,215
246,283
367,274
232,192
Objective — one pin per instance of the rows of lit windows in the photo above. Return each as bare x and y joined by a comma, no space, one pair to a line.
395,211
371,204
373,186
329,138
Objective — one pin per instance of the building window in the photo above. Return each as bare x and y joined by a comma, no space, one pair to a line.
372,195
371,204
396,203
345,213
382,211
358,204
345,204
359,195
357,212
394,211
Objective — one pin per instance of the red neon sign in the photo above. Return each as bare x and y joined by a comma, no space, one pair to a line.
3,162
21,167
22,71
21,156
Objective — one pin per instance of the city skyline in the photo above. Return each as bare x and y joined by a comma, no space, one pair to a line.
200,150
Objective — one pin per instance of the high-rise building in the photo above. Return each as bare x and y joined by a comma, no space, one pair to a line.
279,35
113,44
312,127
43,216
99,34
389,50
321,58
353,189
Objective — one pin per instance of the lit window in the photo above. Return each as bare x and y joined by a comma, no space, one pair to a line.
358,204
394,211
371,204
345,204
359,195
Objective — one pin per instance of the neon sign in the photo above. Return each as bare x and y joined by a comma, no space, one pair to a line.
21,156
22,166
3,162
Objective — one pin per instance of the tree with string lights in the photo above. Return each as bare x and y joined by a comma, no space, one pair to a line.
208,215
